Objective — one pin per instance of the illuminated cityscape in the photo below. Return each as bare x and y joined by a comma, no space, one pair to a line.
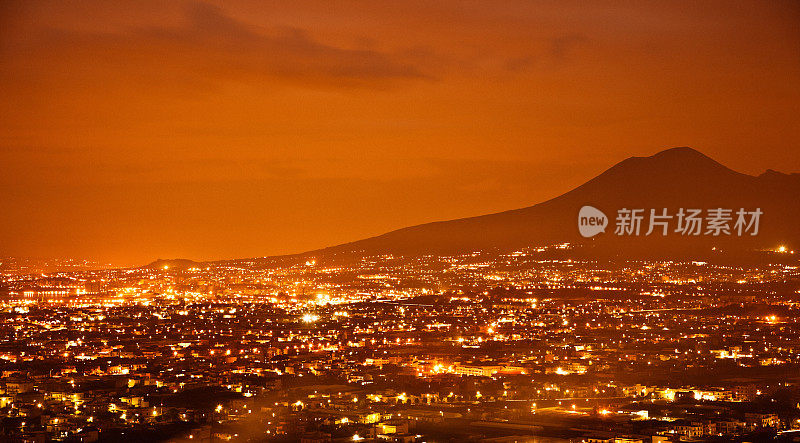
517,347
450,221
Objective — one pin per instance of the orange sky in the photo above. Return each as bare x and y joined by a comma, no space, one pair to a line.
136,130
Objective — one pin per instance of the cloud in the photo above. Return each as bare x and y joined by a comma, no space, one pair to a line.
208,47
561,46
557,50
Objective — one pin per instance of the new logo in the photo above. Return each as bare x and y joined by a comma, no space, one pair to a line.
591,221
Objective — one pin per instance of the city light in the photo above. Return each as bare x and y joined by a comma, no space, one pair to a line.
393,355
310,318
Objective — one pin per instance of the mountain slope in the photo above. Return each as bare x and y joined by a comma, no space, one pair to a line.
674,178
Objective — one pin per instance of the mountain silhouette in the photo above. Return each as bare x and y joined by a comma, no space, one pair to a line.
672,179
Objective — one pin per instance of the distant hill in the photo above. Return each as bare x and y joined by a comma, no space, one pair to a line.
673,179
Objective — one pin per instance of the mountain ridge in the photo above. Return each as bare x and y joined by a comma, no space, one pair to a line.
664,179
674,178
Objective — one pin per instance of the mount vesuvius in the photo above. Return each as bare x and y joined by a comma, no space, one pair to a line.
672,179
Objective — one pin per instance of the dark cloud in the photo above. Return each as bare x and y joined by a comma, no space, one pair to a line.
561,46
558,50
209,47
